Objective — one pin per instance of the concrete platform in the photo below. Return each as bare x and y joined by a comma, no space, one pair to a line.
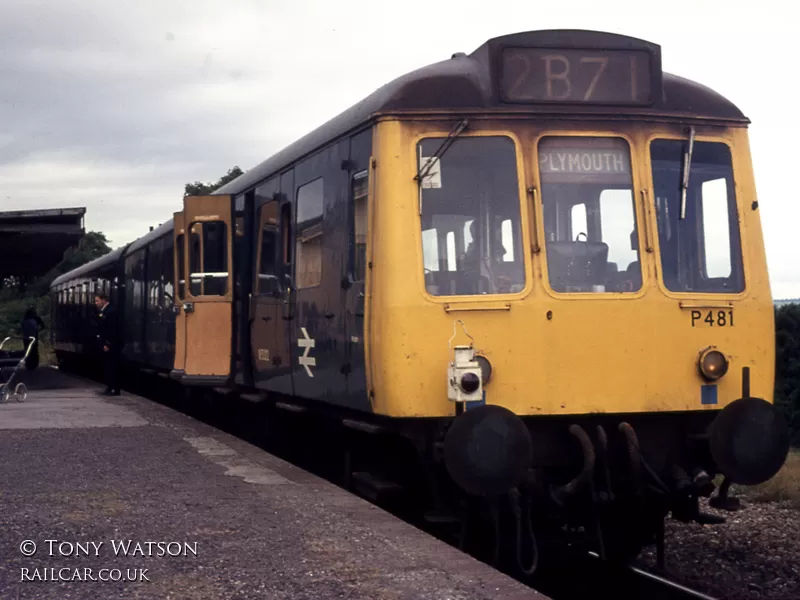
91,480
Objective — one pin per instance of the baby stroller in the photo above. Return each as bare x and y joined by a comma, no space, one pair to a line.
13,361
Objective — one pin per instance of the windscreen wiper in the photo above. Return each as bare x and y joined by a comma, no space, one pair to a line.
426,168
451,137
687,165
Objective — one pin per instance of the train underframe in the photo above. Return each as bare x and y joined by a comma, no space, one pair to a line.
601,483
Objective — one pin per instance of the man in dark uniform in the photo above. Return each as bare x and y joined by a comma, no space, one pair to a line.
109,339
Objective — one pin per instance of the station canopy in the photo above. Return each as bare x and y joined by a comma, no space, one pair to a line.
34,241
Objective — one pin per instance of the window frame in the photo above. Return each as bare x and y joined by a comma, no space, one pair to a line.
279,248
167,271
524,215
153,264
179,268
640,219
228,259
361,174
653,217
297,238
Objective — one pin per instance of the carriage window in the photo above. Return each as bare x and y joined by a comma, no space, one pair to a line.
196,284
167,272
471,217
589,215
268,255
181,267
360,192
702,252
208,258
308,253
154,276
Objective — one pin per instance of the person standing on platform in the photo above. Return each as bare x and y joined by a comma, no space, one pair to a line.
31,325
109,340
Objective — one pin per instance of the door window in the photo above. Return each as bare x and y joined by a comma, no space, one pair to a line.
268,282
208,258
309,234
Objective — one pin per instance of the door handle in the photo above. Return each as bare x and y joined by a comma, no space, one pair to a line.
288,318
329,315
266,318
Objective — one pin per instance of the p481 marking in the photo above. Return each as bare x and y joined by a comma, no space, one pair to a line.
712,318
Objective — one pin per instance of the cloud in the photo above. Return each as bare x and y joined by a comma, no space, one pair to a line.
115,106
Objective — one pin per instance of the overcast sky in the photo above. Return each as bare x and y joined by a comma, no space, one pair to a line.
116,105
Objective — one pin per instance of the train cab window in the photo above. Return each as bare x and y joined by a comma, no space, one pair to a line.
618,222
471,217
578,219
702,251
208,258
268,282
716,225
589,215
308,253
360,193
430,246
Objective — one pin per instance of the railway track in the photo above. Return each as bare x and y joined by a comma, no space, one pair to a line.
597,579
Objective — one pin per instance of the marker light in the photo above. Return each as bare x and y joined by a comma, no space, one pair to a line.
470,383
713,364
464,376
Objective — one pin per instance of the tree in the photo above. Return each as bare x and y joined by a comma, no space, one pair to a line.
198,188
91,246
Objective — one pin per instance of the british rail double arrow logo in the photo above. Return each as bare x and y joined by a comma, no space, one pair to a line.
306,360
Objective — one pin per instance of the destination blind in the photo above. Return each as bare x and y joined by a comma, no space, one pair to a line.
590,160
576,76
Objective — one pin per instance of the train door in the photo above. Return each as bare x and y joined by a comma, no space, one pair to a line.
209,295
320,251
360,176
267,330
179,266
280,378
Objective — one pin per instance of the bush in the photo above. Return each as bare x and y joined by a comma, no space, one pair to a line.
787,365
785,486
